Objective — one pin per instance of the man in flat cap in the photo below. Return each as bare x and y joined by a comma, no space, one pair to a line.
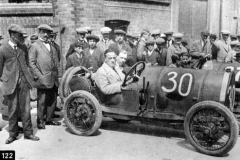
156,34
176,49
105,42
93,55
201,48
44,64
17,81
222,46
77,58
120,45
169,38
89,30
81,33
233,37
161,52
151,54
142,43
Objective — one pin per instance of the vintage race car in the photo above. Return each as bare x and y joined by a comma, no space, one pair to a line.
201,100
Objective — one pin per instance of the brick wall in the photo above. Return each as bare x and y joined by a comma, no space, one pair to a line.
139,15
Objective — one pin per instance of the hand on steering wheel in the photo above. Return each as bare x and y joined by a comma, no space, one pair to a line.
134,73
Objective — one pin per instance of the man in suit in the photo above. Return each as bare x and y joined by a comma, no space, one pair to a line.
201,48
120,45
141,45
17,81
176,49
93,55
105,42
222,46
77,58
161,52
169,38
81,33
44,64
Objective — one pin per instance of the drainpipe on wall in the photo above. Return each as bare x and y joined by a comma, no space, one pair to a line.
220,19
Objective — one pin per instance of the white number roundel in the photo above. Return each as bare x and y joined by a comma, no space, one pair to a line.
173,80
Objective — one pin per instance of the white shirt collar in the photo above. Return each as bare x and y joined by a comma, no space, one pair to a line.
12,44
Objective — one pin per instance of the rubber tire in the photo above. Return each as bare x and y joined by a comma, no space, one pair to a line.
226,113
63,80
66,90
98,119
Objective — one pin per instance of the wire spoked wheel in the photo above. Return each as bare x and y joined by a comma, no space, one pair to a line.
82,113
211,128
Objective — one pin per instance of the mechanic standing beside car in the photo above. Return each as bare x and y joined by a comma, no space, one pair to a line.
17,82
44,64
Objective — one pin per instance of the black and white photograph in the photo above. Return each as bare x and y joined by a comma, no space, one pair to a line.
119,79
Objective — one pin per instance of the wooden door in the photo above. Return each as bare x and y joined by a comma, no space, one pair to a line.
192,18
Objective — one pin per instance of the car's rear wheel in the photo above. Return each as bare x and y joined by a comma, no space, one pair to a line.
82,113
211,128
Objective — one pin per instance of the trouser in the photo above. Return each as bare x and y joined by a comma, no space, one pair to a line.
46,103
19,106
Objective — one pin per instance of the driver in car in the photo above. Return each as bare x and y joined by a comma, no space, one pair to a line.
109,78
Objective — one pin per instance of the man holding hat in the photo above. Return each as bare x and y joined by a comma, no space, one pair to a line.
81,33
222,46
201,48
142,43
17,82
169,38
44,64
161,52
176,49
105,42
120,45
93,55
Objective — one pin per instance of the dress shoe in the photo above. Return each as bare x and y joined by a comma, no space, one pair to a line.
20,129
41,126
32,137
10,140
54,123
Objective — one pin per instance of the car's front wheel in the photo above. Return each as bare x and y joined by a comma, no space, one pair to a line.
82,113
211,128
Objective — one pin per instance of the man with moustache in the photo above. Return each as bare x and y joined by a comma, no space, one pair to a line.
17,81
44,64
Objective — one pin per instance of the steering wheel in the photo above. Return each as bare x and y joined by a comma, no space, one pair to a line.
136,69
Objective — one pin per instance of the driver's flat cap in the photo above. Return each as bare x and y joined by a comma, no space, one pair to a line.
45,27
16,28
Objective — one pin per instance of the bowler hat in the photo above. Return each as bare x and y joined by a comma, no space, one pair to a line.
16,28
89,37
184,41
81,30
119,31
45,27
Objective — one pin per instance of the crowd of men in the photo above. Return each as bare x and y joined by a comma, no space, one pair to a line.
35,63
